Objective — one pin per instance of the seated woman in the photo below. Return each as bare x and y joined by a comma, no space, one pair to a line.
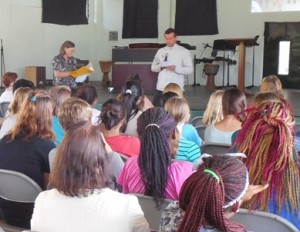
8,80
173,87
233,102
267,138
132,99
209,197
88,93
214,112
10,120
187,149
59,94
112,119
80,200
272,84
26,147
153,172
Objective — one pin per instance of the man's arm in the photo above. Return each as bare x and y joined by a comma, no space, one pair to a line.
155,67
187,64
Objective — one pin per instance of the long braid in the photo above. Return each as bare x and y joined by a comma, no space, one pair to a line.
202,197
154,127
266,138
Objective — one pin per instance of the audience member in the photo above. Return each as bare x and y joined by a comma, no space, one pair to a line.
23,83
161,100
267,139
233,103
14,107
59,94
272,84
25,149
88,93
210,196
132,99
187,149
214,112
8,80
173,87
112,119
80,200
153,172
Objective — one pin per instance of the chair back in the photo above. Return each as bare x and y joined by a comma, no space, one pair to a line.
17,187
197,121
3,108
297,128
263,221
201,130
152,214
215,148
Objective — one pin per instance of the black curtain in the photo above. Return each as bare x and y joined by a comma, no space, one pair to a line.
196,17
140,19
64,12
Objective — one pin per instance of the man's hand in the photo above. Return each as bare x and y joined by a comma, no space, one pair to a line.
171,68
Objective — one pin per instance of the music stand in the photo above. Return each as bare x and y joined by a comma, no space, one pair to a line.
242,43
222,45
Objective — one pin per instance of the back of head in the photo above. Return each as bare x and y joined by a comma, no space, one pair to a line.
87,93
173,87
131,98
34,118
9,78
112,113
23,83
66,44
73,111
214,110
219,183
80,163
233,101
179,108
155,127
135,77
165,97
272,84
20,95
267,139
266,97
59,94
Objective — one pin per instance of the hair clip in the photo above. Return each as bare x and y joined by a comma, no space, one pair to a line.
33,99
128,91
152,124
263,113
212,173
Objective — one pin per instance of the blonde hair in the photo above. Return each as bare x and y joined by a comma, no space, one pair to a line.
20,95
179,108
272,84
59,94
34,118
214,109
172,87
73,111
265,97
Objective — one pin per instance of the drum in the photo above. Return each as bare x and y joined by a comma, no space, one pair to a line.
105,66
211,71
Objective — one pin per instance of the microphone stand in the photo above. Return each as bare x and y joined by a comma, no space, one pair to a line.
195,62
2,62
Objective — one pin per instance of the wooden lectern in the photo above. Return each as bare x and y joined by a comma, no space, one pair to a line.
242,43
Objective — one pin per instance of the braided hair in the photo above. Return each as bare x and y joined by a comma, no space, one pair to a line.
220,182
267,138
155,126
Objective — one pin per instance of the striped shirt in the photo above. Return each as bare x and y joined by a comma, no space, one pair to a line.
188,150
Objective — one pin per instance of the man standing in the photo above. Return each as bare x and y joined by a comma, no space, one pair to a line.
172,62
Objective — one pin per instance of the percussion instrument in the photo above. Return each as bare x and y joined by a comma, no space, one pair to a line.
211,71
105,66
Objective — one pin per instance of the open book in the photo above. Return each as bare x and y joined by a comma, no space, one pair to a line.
82,73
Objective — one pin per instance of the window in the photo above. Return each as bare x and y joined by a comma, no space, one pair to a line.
284,57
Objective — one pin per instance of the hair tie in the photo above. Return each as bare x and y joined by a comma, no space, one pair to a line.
33,99
128,91
212,173
152,124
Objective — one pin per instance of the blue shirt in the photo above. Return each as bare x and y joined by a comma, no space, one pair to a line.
188,151
190,133
58,130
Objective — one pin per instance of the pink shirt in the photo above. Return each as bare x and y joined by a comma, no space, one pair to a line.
125,144
130,177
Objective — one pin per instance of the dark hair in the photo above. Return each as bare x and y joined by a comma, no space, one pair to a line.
171,30
80,164
155,127
165,97
132,92
135,77
205,196
112,113
59,94
9,78
23,83
233,101
66,44
87,93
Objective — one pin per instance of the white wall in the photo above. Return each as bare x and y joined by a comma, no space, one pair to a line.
28,42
